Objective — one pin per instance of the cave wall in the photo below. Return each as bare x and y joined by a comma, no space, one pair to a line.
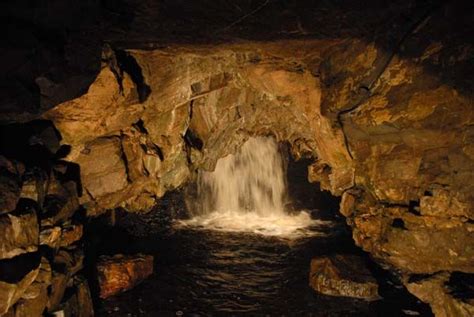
203,103
382,103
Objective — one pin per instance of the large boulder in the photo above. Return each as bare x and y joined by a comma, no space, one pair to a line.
343,275
119,273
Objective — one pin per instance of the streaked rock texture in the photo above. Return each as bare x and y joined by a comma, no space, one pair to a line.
19,233
16,277
201,106
119,273
343,275
40,249
380,99
433,290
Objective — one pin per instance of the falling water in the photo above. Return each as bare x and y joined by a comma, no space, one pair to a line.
246,192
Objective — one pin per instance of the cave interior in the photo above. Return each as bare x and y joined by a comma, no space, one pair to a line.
250,157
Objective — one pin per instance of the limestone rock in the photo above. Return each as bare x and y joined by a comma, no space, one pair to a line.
32,307
30,190
122,272
10,189
33,302
343,275
19,232
102,167
78,302
70,234
58,208
50,236
16,276
433,291
67,264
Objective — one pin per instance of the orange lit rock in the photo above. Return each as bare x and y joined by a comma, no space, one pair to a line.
70,234
119,273
433,291
342,275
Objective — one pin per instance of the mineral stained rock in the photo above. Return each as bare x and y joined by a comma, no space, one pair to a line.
19,233
383,109
119,273
343,275
432,290
16,277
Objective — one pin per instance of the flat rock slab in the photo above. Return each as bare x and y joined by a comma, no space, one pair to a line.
343,275
119,273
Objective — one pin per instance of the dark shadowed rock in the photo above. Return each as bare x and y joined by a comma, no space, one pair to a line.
77,301
434,291
33,301
16,276
65,265
343,275
119,273
10,184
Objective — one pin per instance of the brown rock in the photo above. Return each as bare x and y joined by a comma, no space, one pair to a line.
50,237
433,291
16,276
78,302
343,275
70,234
67,264
19,233
32,307
347,205
122,272
10,190
33,302
60,205
58,287
29,189
102,167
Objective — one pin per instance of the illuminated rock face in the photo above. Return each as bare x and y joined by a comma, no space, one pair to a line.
383,138
201,106
343,275
389,126
122,272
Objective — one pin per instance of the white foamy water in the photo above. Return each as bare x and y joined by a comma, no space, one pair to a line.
246,193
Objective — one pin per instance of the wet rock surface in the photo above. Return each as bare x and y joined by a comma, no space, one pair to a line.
120,272
435,291
379,99
40,247
343,275
19,232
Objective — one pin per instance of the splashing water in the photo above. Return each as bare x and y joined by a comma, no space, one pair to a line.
246,192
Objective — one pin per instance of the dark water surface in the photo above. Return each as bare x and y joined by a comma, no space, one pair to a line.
210,273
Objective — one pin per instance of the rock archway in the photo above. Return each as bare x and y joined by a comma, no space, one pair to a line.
380,103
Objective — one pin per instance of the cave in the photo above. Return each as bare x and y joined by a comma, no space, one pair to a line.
230,158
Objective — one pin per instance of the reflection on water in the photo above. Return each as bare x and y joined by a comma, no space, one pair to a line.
220,273
240,253
283,225
246,193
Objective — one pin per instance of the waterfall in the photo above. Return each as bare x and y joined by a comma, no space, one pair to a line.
246,192
250,181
